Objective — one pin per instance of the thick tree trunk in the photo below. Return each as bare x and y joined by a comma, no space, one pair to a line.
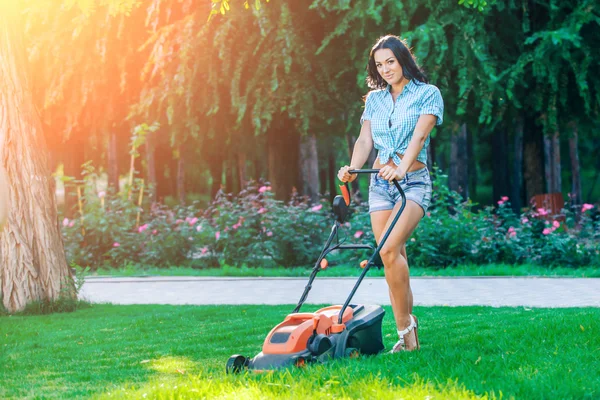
181,178
309,168
113,163
552,163
458,176
533,162
516,196
33,266
575,167
500,176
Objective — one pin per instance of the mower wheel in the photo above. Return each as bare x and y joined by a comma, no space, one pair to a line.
352,352
236,364
319,344
300,362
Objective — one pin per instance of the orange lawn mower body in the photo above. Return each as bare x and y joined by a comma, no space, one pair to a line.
331,332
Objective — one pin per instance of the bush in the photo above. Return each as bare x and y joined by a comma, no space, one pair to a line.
255,229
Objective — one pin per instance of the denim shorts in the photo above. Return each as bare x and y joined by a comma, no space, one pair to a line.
383,194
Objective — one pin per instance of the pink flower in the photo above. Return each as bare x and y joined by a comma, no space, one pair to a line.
512,234
269,233
142,228
236,226
116,244
546,231
101,194
198,228
263,189
179,221
71,224
511,229
217,235
204,250
317,207
556,224
192,221
154,232
504,198
542,211
358,234
262,210
500,202
586,207
66,222
524,220
428,214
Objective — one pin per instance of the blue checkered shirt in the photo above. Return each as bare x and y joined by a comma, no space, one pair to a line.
392,125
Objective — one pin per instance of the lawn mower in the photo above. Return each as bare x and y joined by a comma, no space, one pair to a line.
336,331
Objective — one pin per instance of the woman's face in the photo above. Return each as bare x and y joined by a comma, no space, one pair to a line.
388,67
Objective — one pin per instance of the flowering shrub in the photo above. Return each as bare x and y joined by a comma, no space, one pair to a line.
254,229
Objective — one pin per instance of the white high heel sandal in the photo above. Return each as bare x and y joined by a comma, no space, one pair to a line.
400,345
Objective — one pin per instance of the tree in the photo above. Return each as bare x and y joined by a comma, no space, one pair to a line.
32,258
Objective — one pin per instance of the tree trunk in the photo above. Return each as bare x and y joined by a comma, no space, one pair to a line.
575,167
500,177
533,161
166,172
229,166
241,169
516,196
458,176
471,179
33,266
113,163
216,172
350,141
282,148
332,172
181,178
151,166
309,168
74,158
552,163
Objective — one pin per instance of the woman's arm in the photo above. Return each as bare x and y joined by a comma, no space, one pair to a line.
424,126
3,198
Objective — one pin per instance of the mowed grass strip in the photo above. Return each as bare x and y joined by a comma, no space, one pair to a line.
180,352
353,271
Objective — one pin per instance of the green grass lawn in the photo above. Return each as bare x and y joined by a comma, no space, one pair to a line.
464,270
180,352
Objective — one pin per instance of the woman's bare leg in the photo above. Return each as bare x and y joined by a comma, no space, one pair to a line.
394,259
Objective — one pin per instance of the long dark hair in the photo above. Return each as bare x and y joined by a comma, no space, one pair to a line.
404,56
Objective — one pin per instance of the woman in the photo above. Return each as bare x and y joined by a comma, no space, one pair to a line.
399,114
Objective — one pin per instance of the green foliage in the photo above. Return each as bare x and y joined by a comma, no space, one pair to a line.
256,230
